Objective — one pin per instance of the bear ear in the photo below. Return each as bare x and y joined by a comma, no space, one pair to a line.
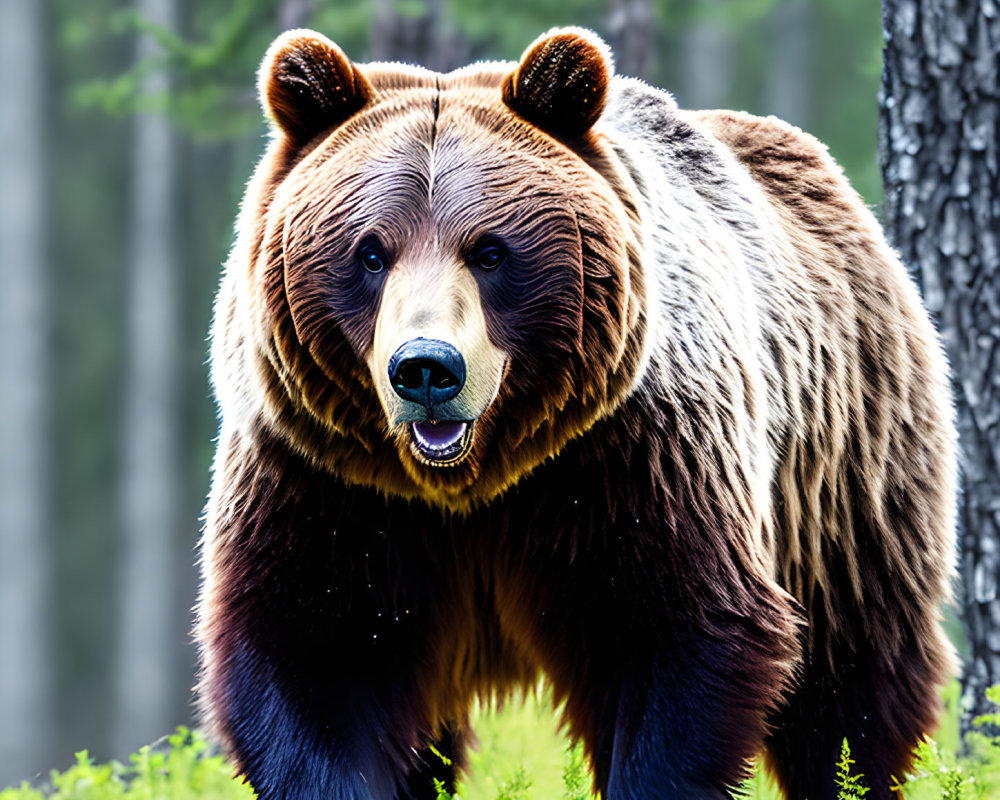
308,85
562,82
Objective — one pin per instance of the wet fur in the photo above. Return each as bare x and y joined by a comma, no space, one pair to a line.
712,502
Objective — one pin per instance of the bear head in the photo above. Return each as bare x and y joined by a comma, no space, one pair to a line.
439,274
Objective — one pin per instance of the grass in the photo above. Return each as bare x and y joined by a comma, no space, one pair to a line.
522,755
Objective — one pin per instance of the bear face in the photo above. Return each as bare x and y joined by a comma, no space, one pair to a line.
456,309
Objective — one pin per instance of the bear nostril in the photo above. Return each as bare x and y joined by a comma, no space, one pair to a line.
427,371
410,375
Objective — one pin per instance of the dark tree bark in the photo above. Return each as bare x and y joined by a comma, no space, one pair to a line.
632,36
939,152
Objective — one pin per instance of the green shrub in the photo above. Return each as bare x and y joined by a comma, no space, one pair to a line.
967,772
185,768
576,777
515,787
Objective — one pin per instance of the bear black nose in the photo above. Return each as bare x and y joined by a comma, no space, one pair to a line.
427,371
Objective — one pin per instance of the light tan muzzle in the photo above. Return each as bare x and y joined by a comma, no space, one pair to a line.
434,366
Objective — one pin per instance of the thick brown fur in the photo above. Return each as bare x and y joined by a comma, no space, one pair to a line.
710,496
866,485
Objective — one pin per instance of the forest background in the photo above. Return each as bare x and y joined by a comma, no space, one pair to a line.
128,132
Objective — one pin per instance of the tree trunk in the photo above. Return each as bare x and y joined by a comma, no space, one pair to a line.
294,13
150,491
425,39
788,90
632,35
939,153
25,575
706,61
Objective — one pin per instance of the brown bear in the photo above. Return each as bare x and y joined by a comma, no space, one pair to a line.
524,371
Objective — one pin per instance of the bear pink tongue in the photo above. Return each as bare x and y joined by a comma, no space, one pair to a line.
439,435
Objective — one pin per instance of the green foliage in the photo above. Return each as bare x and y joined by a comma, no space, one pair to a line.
937,775
993,719
515,787
517,735
211,74
186,770
849,785
946,771
575,776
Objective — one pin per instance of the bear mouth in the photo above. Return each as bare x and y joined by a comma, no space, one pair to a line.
441,443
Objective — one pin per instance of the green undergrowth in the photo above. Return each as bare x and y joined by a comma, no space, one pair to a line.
522,755
182,767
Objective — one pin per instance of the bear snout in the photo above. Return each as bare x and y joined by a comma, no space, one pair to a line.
427,371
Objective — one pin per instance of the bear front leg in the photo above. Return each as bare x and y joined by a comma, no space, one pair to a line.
672,701
313,622
295,740
691,717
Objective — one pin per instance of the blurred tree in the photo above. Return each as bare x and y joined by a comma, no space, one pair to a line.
25,434
706,65
631,27
940,145
85,235
416,32
294,13
502,30
788,87
845,69
149,487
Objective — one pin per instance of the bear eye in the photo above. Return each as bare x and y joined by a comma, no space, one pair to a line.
488,254
372,255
